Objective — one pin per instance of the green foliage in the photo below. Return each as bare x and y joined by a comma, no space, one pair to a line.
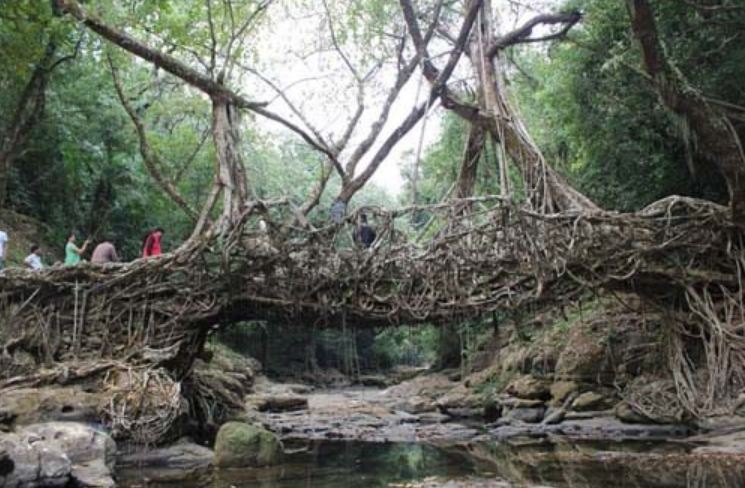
405,346
596,116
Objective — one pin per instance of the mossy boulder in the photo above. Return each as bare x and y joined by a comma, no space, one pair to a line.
529,388
562,390
589,400
26,406
241,445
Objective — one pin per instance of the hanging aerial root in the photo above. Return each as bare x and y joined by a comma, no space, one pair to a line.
145,404
683,254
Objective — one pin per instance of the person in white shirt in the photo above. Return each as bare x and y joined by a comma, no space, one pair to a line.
3,243
33,260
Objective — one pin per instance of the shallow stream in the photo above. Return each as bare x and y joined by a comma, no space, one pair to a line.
556,463
360,438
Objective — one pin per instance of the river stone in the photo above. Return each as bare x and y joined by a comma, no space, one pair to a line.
554,416
529,388
626,413
240,445
182,461
513,402
92,474
281,403
561,390
527,415
81,443
91,452
34,463
588,401
34,405
608,428
416,404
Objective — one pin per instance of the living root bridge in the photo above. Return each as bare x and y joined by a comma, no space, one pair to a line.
496,256
488,254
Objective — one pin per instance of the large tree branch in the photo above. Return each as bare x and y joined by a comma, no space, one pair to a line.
213,39
281,93
215,90
404,74
353,186
719,142
149,157
522,35
160,59
449,99
377,126
437,89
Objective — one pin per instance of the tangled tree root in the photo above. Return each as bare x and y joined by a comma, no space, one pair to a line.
682,254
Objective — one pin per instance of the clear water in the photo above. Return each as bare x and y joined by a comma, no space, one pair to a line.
554,463
353,464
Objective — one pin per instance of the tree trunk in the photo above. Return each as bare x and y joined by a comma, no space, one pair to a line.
466,183
714,132
27,114
230,170
547,190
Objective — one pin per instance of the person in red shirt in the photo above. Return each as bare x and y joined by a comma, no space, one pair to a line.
151,245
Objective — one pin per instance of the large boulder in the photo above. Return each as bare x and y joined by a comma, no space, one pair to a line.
31,463
240,445
528,415
627,413
183,461
80,442
34,405
529,388
561,391
588,401
281,403
91,452
54,453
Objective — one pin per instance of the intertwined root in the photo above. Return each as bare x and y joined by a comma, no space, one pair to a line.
144,404
485,254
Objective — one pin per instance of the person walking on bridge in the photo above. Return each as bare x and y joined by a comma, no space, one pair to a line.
33,260
151,244
73,252
3,245
105,252
364,235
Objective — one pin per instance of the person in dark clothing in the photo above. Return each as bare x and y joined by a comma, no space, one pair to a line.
364,235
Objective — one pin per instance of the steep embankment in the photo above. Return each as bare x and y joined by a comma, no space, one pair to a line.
23,232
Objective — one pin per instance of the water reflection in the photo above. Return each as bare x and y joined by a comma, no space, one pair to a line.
352,464
551,462
561,464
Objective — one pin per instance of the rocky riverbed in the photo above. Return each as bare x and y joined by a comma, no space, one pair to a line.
399,436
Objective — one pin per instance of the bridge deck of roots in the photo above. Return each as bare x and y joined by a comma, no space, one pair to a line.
129,321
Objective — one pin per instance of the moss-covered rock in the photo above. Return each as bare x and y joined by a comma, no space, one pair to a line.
561,390
585,358
241,445
589,400
26,406
529,388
